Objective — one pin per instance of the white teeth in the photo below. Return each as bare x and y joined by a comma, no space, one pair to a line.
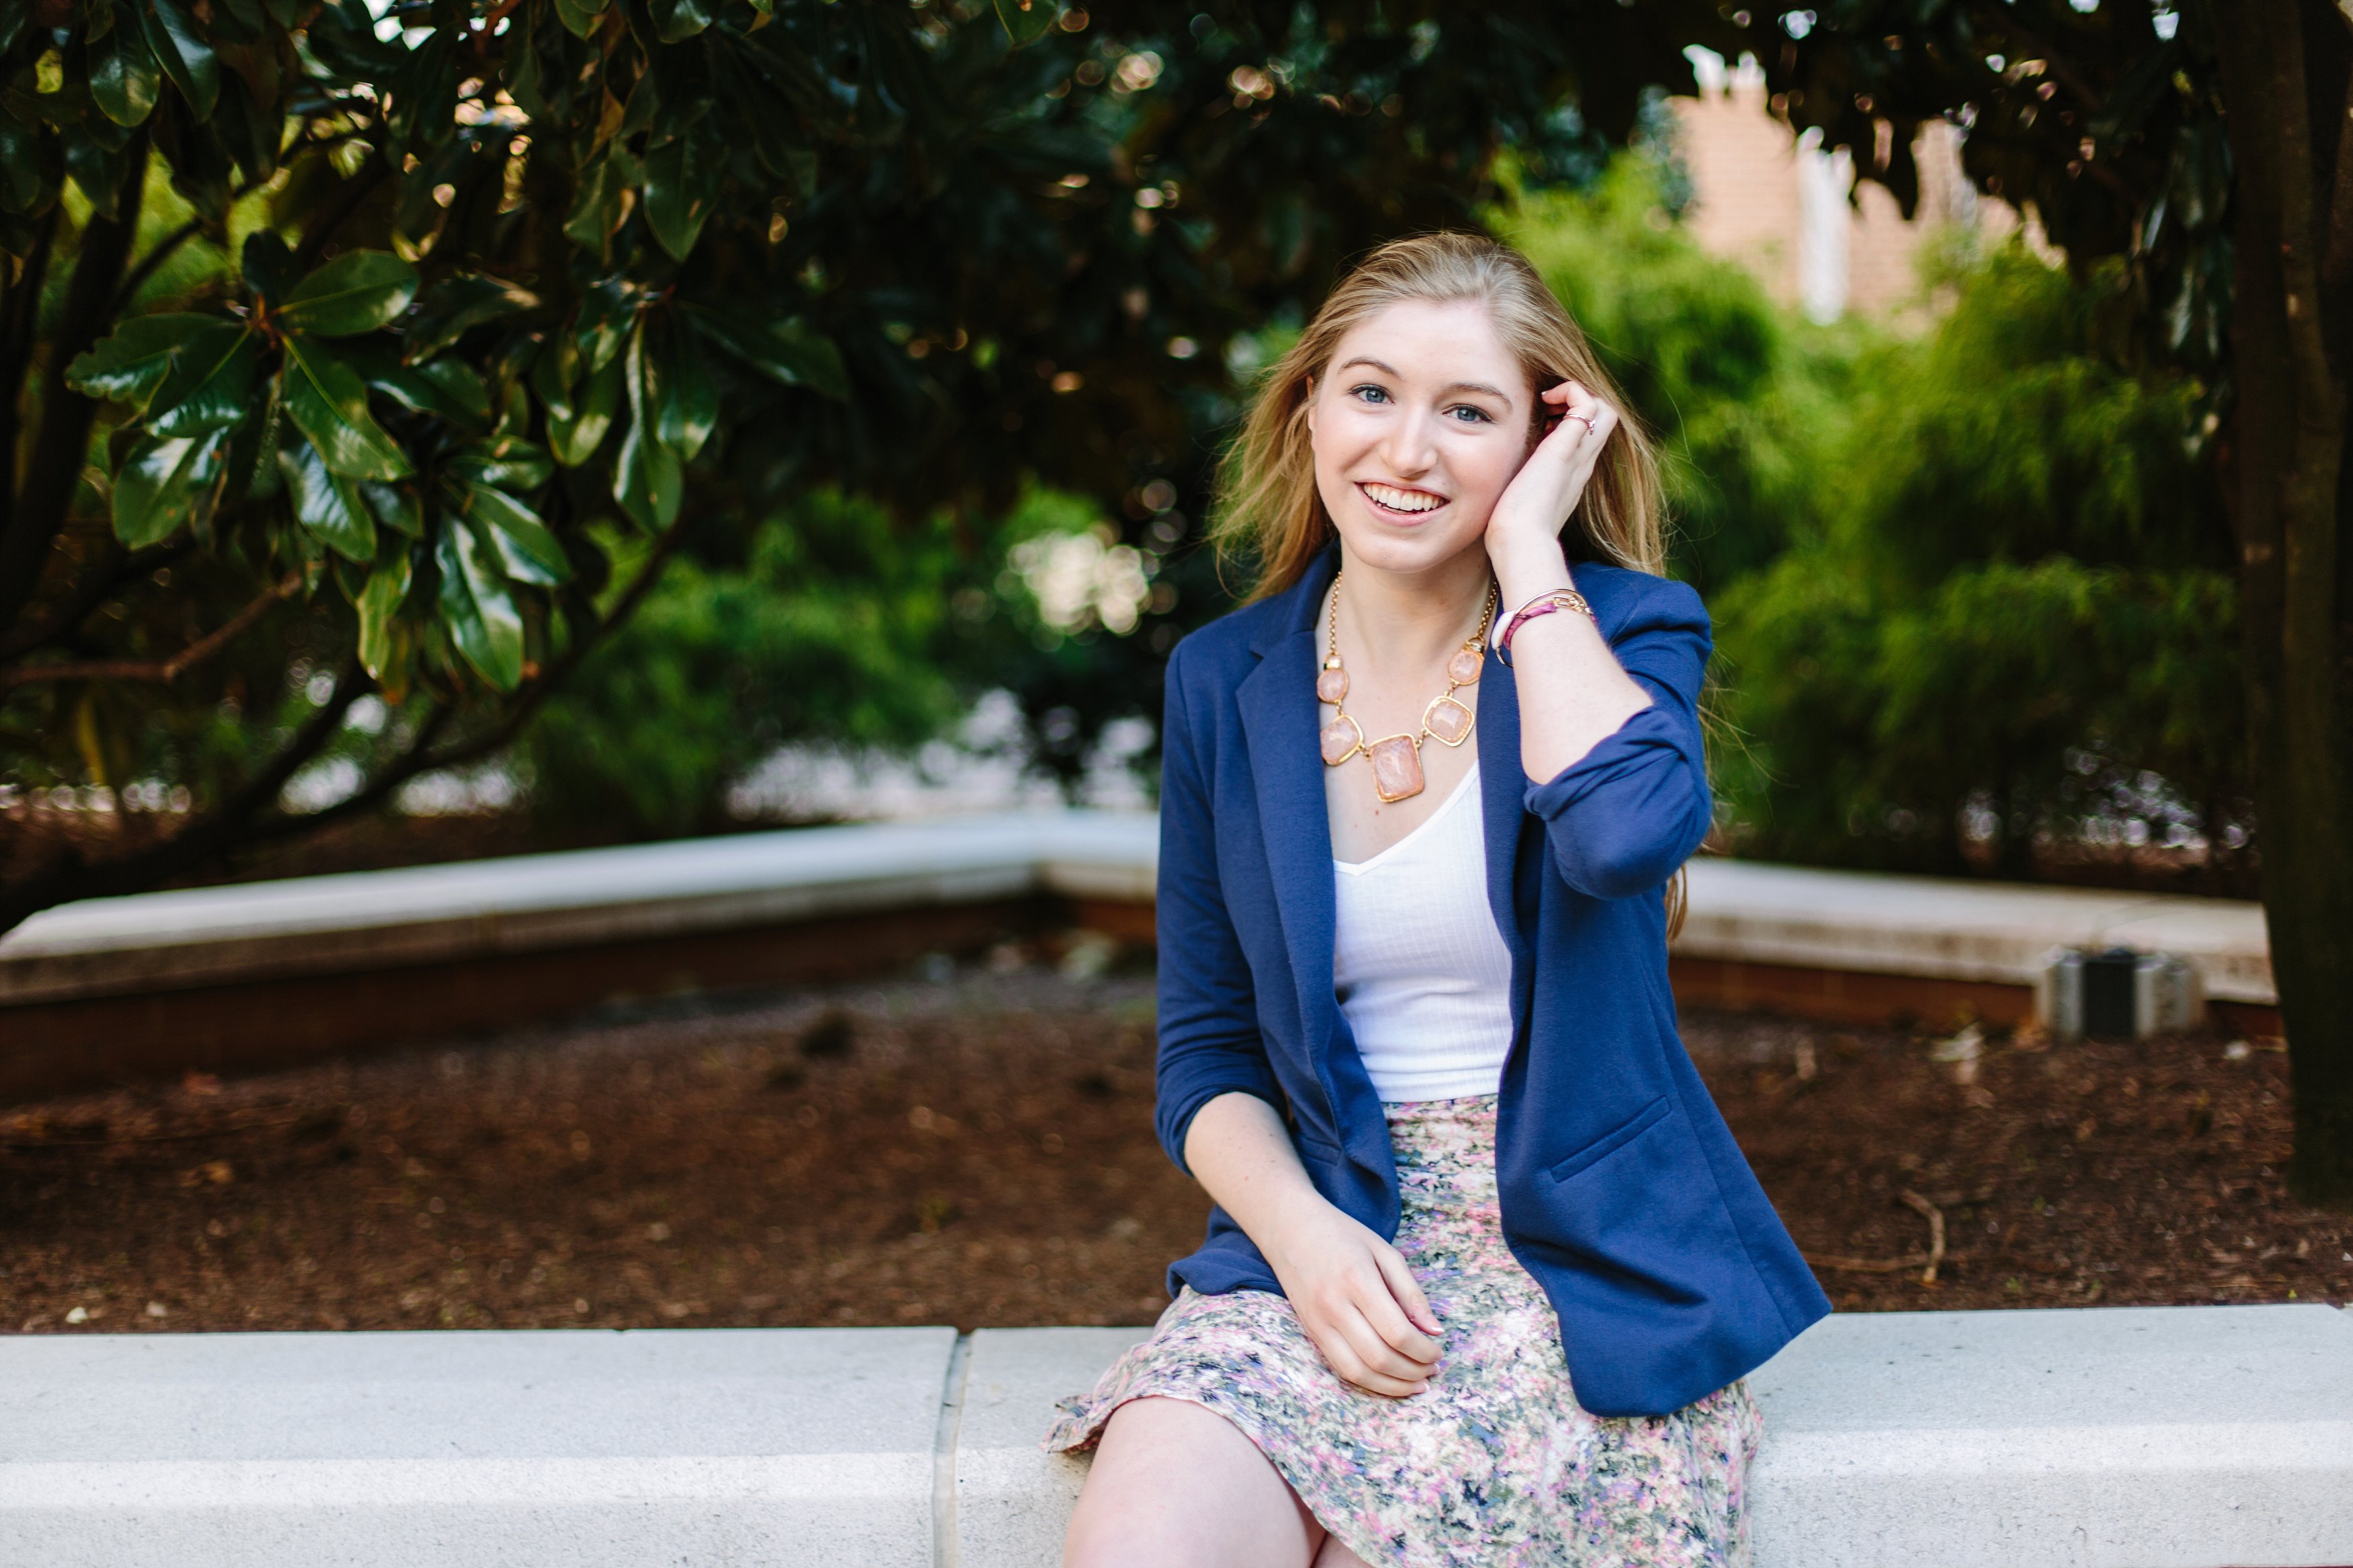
1397,500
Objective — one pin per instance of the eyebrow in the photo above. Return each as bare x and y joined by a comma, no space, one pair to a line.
1496,393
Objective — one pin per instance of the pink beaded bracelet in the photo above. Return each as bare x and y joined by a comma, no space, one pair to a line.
1542,604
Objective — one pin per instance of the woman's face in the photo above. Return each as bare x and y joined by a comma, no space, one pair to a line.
1419,421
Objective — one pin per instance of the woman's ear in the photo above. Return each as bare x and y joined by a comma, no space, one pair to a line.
1309,398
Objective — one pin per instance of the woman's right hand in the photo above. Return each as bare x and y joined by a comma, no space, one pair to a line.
1352,1292
1356,1297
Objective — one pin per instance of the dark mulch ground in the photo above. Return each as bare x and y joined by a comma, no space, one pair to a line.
979,1152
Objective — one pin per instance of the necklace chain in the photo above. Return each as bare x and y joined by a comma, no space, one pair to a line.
1396,759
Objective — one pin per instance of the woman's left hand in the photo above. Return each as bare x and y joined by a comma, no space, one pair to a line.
1523,531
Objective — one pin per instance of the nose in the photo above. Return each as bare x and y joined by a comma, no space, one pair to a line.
1409,444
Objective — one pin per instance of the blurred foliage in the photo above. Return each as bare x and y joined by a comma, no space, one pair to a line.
1744,396
835,624
2006,611
474,299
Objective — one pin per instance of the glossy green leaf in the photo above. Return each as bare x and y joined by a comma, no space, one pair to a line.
356,292
676,19
328,402
507,462
682,187
580,18
129,364
575,437
328,504
29,171
179,46
689,404
249,130
476,607
607,310
378,603
166,483
450,308
124,76
602,199
397,507
555,372
784,349
528,551
102,171
207,388
649,481
447,388
1027,21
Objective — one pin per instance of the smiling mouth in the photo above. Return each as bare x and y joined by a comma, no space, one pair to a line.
1400,501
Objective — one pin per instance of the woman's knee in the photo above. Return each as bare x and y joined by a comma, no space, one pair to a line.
1175,1483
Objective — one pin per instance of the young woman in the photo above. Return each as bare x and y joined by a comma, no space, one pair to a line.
1485,1271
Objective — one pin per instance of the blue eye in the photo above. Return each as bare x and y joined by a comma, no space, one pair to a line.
1370,392
1471,416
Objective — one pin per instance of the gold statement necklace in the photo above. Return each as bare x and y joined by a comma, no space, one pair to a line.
1397,759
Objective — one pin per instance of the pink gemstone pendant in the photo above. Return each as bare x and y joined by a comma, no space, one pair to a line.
1448,721
1464,666
1332,685
1340,740
1396,768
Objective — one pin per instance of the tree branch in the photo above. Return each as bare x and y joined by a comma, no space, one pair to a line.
161,252
68,875
420,758
59,449
123,568
167,669
20,310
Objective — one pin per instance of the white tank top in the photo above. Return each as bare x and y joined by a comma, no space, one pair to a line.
1422,973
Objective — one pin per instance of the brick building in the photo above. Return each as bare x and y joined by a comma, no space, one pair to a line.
1783,209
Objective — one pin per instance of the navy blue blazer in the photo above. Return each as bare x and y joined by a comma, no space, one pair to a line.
1623,1191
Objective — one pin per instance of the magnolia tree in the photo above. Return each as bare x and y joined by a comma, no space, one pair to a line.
395,346
2208,148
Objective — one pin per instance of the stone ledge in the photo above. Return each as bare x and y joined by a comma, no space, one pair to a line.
532,903
1948,927
502,1449
1802,920
2097,1437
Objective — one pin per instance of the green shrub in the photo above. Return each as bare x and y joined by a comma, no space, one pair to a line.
2006,622
837,624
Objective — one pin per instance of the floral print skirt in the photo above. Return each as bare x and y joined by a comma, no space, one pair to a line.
1496,1464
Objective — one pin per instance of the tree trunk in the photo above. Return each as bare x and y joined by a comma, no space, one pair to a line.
2285,67
53,473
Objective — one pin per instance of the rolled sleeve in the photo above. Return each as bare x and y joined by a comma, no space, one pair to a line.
1210,1041
1621,818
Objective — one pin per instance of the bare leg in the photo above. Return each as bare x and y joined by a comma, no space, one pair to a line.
1175,1485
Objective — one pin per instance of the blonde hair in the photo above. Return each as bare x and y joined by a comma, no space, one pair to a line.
1269,514
1270,517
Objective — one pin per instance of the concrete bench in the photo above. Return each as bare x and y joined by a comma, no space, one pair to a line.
2117,1437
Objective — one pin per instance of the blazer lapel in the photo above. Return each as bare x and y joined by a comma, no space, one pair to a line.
1279,719
1501,790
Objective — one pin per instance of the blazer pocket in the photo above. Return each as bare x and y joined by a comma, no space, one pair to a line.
1609,1142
